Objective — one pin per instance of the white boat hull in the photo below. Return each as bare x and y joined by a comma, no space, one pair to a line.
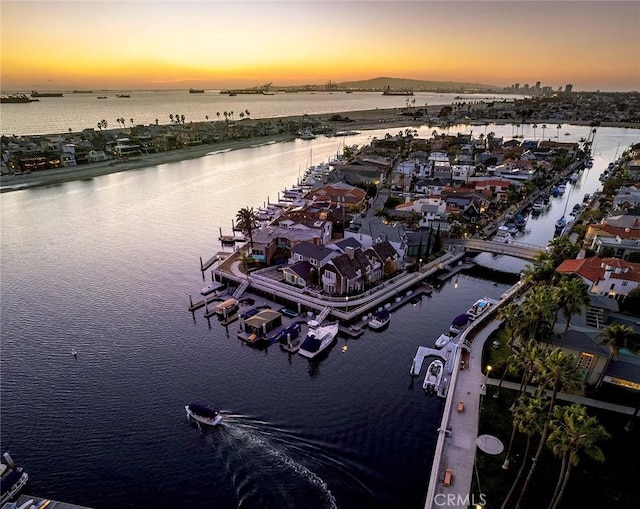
210,421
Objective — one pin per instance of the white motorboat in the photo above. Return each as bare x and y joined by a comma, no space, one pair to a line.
479,307
502,235
443,340
434,376
318,338
380,319
459,324
13,478
203,413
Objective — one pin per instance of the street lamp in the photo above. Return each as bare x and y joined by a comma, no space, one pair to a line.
489,368
420,266
347,299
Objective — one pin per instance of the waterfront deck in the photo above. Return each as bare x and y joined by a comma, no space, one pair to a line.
220,256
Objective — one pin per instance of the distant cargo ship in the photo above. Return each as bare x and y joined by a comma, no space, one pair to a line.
196,91
34,93
388,91
82,92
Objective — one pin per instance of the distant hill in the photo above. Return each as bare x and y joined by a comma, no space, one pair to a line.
417,85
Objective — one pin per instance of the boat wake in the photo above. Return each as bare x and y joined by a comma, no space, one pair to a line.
264,472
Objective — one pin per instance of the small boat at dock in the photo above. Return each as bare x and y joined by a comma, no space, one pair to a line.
380,318
459,324
479,307
434,376
443,340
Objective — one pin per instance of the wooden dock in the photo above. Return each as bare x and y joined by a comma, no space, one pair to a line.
218,257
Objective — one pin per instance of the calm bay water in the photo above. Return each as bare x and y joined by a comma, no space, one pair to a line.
105,266
82,111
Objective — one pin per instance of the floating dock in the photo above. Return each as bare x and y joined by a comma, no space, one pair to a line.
447,354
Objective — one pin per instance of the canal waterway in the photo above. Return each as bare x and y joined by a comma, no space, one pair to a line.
106,267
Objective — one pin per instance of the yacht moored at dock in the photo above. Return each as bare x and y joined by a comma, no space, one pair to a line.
380,318
12,479
318,338
479,307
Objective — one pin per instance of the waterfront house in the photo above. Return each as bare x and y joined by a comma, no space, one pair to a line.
617,236
96,156
610,277
627,197
273,244
313,220
338,195
315,255
342,275
351,271
299,274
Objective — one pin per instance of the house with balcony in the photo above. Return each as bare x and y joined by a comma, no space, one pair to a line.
619,236
432,210
609,277
350,271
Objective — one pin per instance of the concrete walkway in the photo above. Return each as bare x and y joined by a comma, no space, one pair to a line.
456,446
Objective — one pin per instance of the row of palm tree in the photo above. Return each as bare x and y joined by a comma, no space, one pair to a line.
566,430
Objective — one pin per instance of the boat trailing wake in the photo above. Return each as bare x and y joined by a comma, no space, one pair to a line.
263,472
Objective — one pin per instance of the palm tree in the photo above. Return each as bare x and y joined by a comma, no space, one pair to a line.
246,219
525,360
218,115
527,418
535,126
171,117
510,317
562,249
571,295
556,370
537,307
544,126
616,336
558,127
573,432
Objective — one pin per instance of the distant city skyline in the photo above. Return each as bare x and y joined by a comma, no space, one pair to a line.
170,44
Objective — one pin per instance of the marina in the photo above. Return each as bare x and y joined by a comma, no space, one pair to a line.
287,403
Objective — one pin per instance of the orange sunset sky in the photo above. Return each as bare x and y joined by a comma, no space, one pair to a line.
165,44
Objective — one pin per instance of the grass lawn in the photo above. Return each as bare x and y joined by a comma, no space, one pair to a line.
614,483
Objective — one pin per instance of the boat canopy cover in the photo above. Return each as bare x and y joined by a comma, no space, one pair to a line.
460,320
10,479
383,314
203,409
311,344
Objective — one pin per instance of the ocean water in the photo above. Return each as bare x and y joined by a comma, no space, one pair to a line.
81,111
106,267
